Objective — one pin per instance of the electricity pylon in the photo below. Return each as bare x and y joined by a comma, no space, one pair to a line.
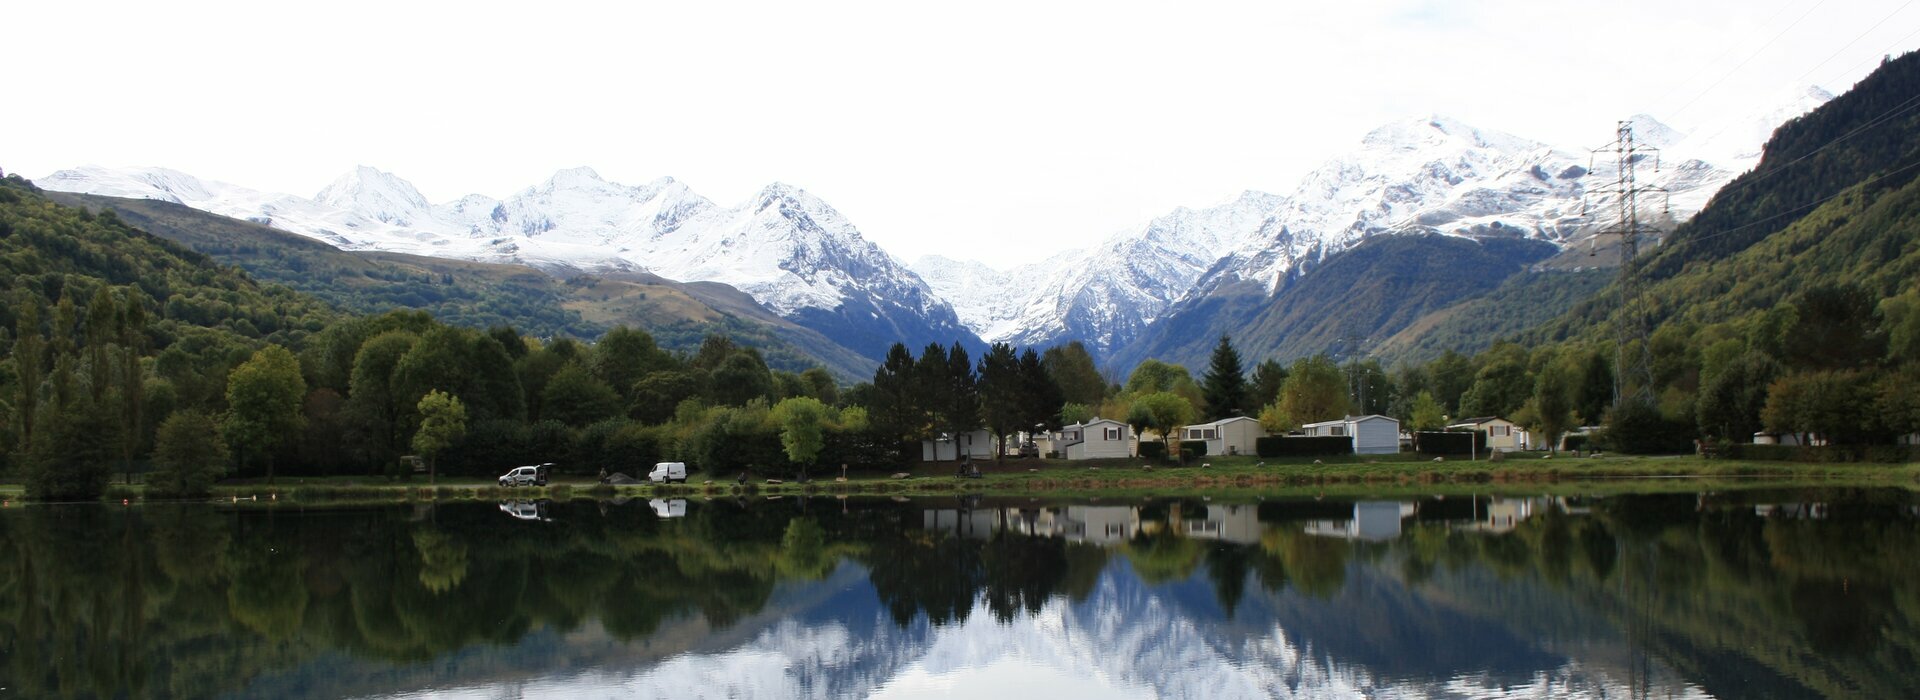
1633,352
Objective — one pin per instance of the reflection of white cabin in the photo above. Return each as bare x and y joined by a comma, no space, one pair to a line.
1239,524
1099,438
978,444
1104,525
1372,520
1502,434
1227,436
975,524
1372,434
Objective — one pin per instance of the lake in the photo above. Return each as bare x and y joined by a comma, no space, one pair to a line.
1747,593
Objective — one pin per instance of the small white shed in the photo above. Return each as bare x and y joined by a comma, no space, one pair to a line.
1372,434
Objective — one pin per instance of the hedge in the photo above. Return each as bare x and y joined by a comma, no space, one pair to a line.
1876,454
1193,448
1286,446
1435,442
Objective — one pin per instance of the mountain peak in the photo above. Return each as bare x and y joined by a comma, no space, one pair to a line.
1418,133
574,178
376,193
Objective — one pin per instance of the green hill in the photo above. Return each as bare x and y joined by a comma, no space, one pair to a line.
51,252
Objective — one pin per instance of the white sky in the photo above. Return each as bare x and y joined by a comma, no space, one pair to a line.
1000,131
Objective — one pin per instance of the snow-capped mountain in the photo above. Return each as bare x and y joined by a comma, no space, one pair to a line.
1417,175
788,249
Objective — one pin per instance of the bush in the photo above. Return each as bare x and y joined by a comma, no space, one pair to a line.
1435,442
1636,427
1285,446
1829,454
1193,448
1153,450
1580,443
190,455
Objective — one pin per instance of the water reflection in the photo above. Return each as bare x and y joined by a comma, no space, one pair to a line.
1744,594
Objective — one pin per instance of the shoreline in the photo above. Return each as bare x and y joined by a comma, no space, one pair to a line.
1128,478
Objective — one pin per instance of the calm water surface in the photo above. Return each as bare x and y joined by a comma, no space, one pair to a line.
1738,594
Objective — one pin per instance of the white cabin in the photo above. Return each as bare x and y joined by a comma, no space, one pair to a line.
1502,435
1227,436
1372,434
1100,438
977,444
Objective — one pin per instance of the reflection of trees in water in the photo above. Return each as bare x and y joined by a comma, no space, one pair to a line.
191,601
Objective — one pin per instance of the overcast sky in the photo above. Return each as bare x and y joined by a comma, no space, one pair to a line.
1000,131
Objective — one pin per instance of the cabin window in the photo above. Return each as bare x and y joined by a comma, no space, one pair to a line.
1113,433
1073,435
1338,431
1501,431
1211,434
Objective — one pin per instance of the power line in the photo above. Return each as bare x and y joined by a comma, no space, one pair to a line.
1882,53
1729,50
1856,40
1892,112
1743,63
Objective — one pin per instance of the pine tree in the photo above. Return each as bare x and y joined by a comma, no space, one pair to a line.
1002,393
1224,387
893,406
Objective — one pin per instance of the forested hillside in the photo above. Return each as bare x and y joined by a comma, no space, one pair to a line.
482,295
1521,303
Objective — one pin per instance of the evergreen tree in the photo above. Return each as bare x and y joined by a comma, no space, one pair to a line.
962,405
1079,378
893,406
1268,377
1041,399
1002,393
1223,386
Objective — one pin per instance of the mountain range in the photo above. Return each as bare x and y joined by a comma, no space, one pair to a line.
1163,289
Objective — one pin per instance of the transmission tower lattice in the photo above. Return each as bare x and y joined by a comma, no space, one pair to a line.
1633,354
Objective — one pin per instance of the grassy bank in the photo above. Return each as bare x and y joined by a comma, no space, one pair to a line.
1237,475
1226,476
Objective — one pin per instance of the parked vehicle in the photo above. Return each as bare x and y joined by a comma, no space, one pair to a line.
526,476
668,472
526,510
664,508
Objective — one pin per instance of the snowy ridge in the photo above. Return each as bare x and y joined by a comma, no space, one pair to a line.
1415,175
788,249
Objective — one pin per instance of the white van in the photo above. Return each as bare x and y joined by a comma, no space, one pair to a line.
526,476
668,472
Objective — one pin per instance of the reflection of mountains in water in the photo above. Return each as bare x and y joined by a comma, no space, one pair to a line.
1376,637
